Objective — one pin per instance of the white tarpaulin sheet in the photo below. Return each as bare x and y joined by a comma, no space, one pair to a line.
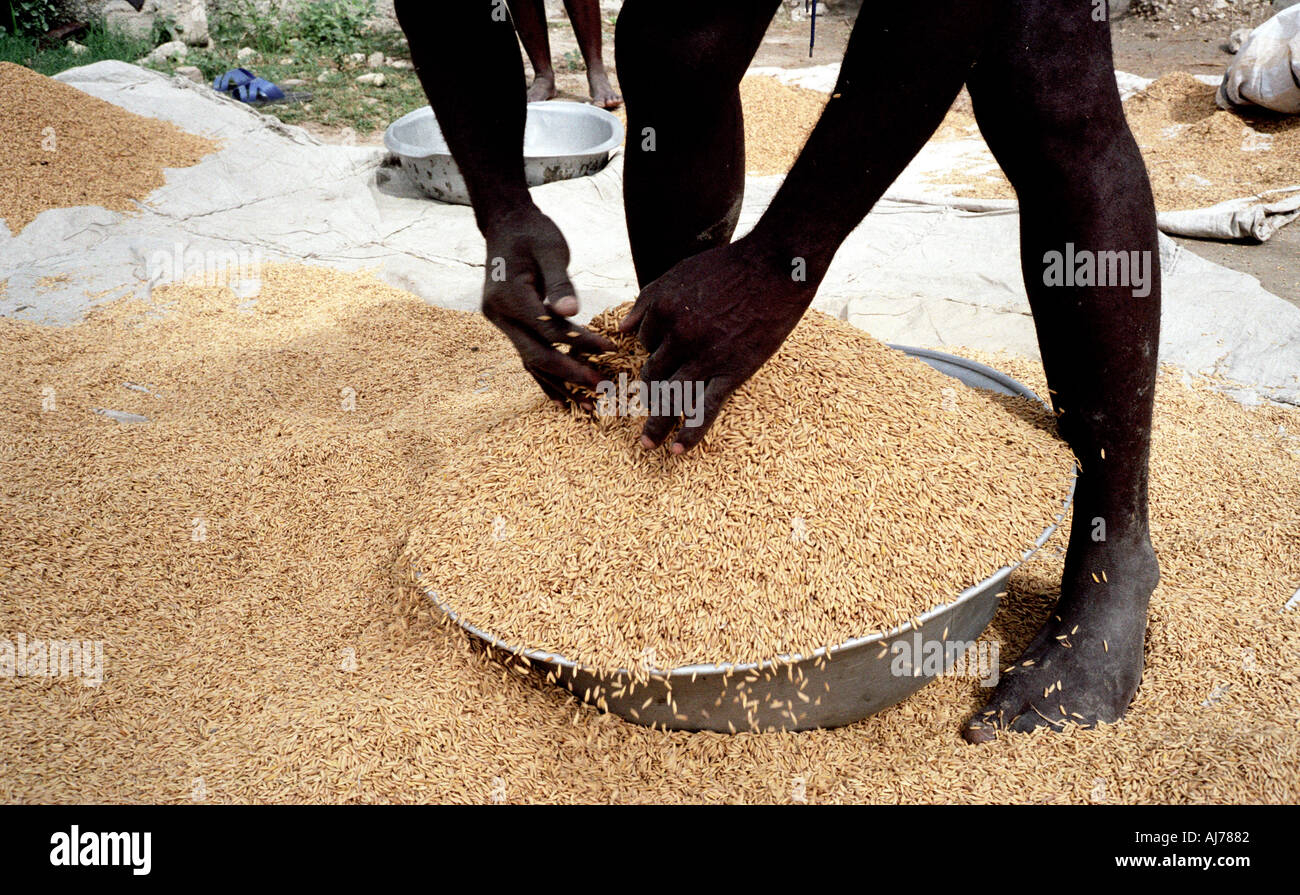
920,274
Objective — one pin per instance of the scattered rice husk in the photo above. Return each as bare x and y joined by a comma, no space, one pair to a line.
279,661
1196,154
845,489
62,148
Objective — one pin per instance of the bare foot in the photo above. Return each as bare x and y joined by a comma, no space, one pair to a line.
602,93
542,88
1085,664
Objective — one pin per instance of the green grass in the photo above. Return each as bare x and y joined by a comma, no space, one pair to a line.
318,40
338,101
99,44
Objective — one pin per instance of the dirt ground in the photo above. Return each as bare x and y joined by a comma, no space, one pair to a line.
1145,47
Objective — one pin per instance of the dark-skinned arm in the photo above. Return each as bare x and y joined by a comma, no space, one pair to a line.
475,84
718,316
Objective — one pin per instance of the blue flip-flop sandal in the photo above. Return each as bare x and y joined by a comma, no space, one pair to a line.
246,87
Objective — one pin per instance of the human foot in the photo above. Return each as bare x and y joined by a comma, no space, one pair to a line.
542,88
602,92
1085,664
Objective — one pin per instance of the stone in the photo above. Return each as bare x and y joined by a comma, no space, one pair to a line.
121,17
372,79
375,59
172,51
192,73
245,53
188,19
76,48
292,82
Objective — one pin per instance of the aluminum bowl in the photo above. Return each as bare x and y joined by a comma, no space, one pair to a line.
561,141
844,683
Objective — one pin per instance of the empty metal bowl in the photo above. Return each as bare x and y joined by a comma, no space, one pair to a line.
561,141
831,687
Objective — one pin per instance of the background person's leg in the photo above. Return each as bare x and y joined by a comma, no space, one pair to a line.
585,16
1045,98
684,173
529,17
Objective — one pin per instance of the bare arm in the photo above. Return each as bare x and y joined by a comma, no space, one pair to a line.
718,316
885,105
475,84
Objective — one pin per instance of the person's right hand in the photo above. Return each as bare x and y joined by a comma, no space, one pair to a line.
527,295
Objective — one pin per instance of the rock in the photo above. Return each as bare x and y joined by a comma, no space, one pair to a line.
356,57
172,51
373,79
375,59
1236,39
287,60
76,48
245,53
187,19
323,77
398,63
292,82
122,18
192,73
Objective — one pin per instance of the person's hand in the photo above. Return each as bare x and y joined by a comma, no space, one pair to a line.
527,295
714,318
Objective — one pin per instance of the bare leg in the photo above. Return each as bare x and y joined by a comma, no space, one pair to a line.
685,170
1054,121
1046,99
585,16
530,22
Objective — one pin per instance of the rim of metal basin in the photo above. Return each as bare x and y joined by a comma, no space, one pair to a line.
398,146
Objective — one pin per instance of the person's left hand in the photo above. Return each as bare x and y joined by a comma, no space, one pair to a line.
714,318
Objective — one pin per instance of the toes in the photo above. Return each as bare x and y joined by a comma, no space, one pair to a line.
978,733
1032,719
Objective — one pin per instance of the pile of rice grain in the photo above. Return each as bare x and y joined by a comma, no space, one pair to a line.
62,148
778,119
268,656
1196,154
845,489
